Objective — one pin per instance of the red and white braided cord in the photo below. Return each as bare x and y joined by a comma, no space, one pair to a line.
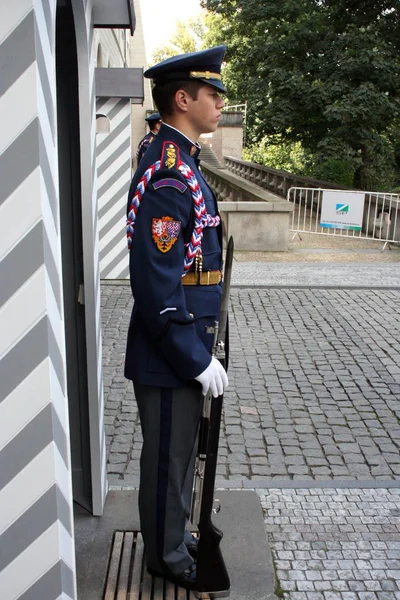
201,218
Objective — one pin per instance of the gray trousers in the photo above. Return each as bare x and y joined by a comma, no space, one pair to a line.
170,422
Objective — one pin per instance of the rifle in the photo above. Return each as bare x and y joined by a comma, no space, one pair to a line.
212,576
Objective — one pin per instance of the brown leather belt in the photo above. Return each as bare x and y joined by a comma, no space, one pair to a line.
207,278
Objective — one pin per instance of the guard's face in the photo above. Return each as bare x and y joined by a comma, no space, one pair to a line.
205,112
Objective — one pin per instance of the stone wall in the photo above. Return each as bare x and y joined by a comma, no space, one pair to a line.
257,219
232,141
227,140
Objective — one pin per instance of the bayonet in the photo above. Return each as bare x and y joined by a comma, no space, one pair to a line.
223,320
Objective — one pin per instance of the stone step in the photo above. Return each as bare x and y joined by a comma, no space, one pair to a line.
207,155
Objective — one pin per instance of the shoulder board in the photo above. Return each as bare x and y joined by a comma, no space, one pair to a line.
170,155
171,183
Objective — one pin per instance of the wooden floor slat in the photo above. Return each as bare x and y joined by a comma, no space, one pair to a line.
136,574
158,592
114,566
125,565
182,594
169,591
147,585
127,577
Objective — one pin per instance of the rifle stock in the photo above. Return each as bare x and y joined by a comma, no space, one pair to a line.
212,575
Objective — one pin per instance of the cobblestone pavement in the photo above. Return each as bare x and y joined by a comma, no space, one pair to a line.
314,387
311,274
334,544
311,422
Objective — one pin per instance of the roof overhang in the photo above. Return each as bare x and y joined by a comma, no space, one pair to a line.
117,14
120,83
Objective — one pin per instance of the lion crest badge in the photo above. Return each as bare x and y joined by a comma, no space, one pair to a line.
165,232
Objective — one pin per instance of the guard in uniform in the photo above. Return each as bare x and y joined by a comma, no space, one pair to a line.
154,122
175,239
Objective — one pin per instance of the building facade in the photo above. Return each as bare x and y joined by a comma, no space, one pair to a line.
52,448
138,59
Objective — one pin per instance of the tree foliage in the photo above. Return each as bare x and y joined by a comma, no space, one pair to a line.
279,154
187,38
325,73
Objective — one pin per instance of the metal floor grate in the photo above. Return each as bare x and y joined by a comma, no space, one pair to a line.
127,577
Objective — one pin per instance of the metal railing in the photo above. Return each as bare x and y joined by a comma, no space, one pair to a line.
379,216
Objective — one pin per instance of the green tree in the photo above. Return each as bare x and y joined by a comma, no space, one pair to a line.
279,154
187,38
325,73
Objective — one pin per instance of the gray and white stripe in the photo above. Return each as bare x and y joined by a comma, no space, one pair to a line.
37,555
113,180
36,533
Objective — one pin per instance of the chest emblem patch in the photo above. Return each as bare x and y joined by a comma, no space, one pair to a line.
165,232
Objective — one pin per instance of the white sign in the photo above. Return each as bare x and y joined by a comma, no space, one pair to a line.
342,210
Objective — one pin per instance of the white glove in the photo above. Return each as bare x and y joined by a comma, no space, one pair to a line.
214,378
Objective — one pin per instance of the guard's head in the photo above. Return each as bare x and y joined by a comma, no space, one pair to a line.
153,120
188,72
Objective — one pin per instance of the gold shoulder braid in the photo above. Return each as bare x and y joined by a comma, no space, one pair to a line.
171,157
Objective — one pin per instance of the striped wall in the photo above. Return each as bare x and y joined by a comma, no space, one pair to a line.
113,180
36,522
37,557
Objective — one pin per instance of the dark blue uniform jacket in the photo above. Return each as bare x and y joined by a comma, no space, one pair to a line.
143,145
167,342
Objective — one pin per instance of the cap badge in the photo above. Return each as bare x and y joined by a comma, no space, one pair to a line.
205,75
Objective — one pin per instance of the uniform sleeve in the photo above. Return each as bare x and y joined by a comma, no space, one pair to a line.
141,150
156,263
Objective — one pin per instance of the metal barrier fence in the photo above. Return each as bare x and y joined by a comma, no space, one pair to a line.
363,215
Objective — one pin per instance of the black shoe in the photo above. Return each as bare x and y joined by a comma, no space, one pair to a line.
192,547
187,579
